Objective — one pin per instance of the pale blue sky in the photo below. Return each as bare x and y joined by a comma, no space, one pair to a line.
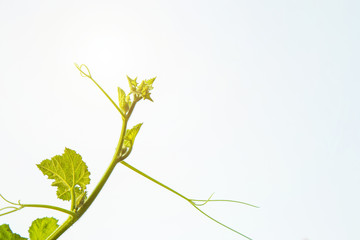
254,100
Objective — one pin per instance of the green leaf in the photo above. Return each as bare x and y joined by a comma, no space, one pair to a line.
124,106
146,95
130,135
7,234
144,88
41,228
150,82
132,84
69,172
141,87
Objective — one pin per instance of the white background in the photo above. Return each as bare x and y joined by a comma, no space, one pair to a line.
254,100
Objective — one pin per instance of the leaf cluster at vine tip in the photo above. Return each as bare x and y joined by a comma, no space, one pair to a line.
143,89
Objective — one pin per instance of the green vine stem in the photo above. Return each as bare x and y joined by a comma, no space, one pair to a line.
76,211
116,159
72,219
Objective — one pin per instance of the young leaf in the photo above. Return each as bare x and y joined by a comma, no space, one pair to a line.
150,82
7,234
124,106
41,228
146,95
145,87
130,135
132,84
141,87
69,172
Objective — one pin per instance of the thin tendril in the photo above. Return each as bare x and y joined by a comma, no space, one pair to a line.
87,75
8,208
221,223
83,74
14,210
220,200
21,206
202,204
9,212
9,201
191,201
